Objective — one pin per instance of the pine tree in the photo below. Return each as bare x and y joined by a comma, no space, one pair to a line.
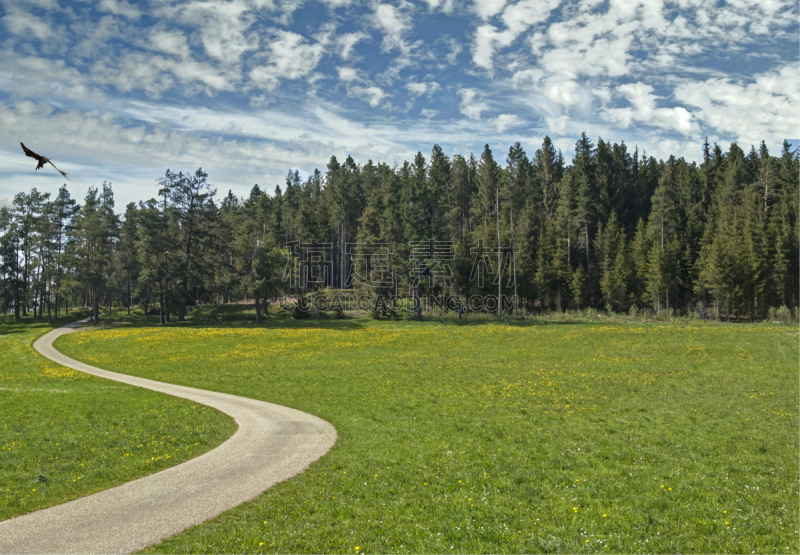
487,181
191,200
95,233
439,197
613,263
547,172
129,236
10,271
640,258
577,287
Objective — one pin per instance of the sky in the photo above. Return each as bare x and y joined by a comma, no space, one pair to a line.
120,91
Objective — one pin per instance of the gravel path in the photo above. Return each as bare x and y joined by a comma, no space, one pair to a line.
272,444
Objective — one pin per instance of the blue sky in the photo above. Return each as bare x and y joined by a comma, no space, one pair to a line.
247,89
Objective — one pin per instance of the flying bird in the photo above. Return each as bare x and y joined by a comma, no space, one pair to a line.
42,160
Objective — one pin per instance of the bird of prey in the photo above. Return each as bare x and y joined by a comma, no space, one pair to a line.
42,160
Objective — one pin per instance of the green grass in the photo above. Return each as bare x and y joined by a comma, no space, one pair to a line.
65,434
520,437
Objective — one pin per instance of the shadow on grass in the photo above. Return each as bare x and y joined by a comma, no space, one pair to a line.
8,325
243,316
232,317
229,316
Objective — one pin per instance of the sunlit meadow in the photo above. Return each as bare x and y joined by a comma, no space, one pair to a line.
514,437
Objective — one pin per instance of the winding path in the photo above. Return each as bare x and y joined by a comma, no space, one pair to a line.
272,444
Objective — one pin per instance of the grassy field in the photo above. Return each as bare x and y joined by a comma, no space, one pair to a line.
64,434
513,437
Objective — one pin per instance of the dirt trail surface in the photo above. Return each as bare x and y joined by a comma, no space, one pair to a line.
272,444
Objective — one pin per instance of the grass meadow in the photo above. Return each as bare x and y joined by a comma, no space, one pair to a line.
474,436
65,434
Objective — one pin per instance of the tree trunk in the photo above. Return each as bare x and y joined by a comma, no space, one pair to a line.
341,259
35,299
96,308
49,317
25,285
569,247
588,260
499,252
58,268
514,256
129,294
458,293
161,308
416,300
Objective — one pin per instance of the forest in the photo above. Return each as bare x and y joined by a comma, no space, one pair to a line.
612,230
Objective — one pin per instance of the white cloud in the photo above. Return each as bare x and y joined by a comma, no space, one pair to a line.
290,57
26,25
92,37
170,42
347,42
333,4
517,19
487,8
374,95
487,40
419,89
393,23
446,5
119,7
51,5
156,74
522,15
455,50
30,77
223,27
505,121
589,56
764,108
347,74
643,109
603,93
561,90
558,124
471,104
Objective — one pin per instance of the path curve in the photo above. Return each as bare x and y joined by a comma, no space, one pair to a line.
272,444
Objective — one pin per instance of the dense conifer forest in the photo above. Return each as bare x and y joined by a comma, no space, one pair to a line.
614,230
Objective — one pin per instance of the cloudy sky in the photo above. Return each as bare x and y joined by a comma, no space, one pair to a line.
121,91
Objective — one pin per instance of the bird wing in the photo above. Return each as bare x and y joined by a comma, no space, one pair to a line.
42,160
31,154
65,174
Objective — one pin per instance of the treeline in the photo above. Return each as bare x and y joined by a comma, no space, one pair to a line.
613,230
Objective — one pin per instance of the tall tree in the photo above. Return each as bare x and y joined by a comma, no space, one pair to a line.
191,199
95,234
